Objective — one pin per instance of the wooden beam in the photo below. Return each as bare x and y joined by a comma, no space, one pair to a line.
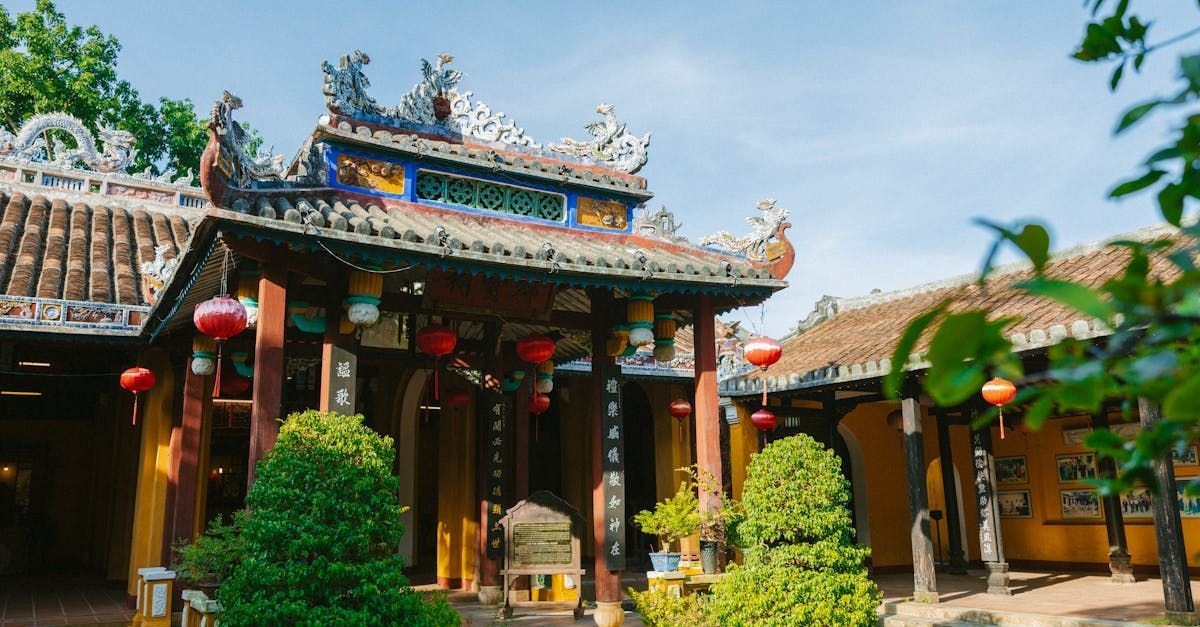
958,561
268,254
268,365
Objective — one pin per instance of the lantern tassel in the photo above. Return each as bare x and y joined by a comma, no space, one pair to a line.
1001,410
217,380
135,399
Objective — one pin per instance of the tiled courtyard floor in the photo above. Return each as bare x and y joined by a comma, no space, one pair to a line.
1061,594
66,601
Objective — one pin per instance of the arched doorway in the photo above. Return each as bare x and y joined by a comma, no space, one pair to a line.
937,502
640,487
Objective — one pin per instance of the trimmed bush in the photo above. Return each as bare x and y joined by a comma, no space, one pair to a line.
660,609
319,543
803,567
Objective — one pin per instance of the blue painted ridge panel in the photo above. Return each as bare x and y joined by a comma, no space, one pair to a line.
570,208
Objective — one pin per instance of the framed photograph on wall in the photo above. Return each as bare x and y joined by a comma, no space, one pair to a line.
1075,467
1136,503
1014,504
1189,506
1075,437
1079,503
1011,470
1185,458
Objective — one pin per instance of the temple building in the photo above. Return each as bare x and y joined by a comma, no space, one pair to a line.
990,497
486,299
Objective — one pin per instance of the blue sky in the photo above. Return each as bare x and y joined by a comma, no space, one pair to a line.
884,127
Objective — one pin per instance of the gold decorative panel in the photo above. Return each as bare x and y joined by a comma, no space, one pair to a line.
606,214
370,174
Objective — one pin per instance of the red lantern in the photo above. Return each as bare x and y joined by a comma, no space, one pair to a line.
437,340
680,409
137,380
763,352
538,403
535,348
220,318
457,399
234,384
763,420
999,392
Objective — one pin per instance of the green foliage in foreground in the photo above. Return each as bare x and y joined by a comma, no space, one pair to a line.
803,567
319,543
1152,306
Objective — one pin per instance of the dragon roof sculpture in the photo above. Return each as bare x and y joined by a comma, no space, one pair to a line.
435,103
29,144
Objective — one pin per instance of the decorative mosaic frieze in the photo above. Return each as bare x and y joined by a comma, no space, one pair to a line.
611,144
660,224
51,313
489,196
370,174
158,273
764,234
605,214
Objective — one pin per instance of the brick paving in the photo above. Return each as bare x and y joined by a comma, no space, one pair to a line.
26,601
1089,595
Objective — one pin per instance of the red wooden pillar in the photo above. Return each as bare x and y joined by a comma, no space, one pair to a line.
521,439
608,582
268,364
708,408
183,473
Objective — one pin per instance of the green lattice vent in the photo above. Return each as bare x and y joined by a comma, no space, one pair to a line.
488,196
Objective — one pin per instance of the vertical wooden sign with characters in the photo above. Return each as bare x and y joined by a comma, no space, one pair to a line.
612,450
990,547
494,436
343,372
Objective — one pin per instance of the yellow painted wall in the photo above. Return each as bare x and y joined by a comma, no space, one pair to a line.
743,443
458,511
149,512
1047,535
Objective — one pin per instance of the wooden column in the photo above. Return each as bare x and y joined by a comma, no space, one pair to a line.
708,403
1120,564
991,539
1168,532
958,560
268,365
184,475
608,582
924,578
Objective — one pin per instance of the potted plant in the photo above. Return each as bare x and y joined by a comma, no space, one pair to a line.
714,525
671,519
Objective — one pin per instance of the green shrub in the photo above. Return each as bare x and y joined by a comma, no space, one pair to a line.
803,567
672,518
211,558
319,543
660,609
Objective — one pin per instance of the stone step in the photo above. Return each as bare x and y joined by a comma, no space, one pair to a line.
909,614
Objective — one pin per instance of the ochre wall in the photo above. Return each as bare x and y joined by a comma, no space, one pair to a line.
149,511
458,509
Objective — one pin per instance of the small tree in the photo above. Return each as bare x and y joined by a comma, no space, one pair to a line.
672,518
803,567
319,543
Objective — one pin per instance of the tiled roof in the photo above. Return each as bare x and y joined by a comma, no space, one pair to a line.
71,259
853,339
464,237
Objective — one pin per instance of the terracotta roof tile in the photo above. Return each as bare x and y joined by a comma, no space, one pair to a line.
53,249
866,329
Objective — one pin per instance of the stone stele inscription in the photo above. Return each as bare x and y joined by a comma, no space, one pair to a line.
541,544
